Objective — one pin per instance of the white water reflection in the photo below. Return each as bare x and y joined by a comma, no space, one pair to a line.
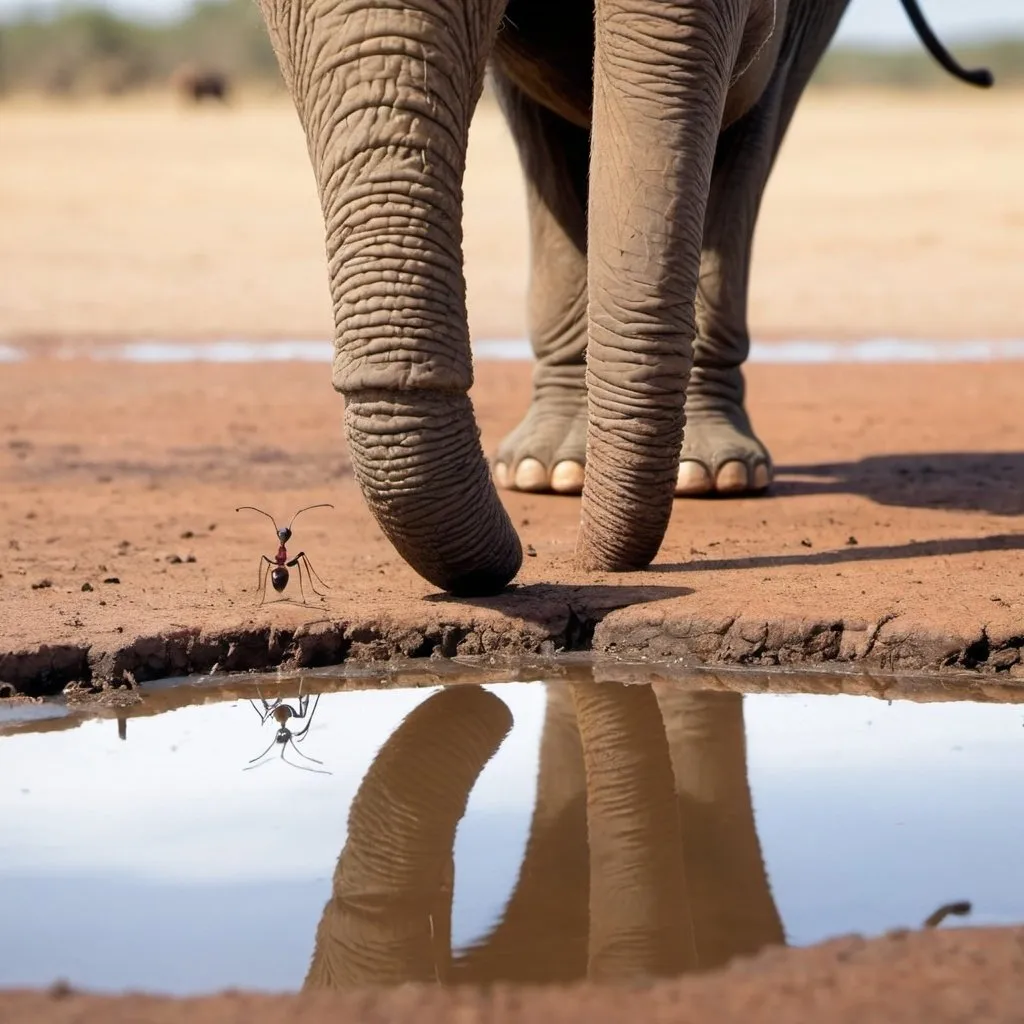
870,815
812,352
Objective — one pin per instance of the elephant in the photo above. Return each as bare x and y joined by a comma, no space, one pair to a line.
642,859
196,84
646,130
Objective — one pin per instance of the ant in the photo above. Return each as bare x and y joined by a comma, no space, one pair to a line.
281,713
280,565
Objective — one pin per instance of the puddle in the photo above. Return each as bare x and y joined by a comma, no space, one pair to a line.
875,350
149,852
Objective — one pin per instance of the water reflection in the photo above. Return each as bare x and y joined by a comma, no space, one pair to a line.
642,860
636,851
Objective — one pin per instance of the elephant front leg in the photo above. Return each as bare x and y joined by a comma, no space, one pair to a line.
721,452
546,451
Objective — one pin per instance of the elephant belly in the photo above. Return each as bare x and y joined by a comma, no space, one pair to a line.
547,51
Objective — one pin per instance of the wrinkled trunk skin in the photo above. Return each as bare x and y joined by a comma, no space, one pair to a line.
661,74
388,920
640,922
385,91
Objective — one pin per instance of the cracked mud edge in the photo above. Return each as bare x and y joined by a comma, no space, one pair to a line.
890,644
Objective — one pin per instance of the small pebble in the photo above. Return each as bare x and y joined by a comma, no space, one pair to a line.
190,558
530,551
173,559
806,543
851,540
187,535
111,579
87,587
42,584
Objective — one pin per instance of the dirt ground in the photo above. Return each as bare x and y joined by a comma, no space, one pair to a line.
887,214
893,539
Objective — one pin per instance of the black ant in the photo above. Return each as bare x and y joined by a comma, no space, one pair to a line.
282,713
279,564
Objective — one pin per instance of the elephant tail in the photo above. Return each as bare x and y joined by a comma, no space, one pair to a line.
978,76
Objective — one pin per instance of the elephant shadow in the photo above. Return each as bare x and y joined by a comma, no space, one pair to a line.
642,859
991,482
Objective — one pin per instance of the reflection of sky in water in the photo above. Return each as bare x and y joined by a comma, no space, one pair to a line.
158,863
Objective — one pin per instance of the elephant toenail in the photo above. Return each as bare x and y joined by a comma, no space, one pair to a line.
567,477
762,478
501,474
732,477
531,476
692,478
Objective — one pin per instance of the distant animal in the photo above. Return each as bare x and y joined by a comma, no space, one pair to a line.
197,84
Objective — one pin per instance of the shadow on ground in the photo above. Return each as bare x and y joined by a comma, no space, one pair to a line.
990,482
584,606
856,553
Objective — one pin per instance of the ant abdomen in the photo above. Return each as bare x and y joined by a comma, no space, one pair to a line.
279,578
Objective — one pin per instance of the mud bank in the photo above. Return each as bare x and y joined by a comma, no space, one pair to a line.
887,646
968,975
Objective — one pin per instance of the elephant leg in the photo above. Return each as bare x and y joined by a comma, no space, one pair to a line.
721,453
546,451
640,922
734,913
542,935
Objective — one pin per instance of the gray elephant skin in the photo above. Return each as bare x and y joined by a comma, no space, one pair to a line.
646,131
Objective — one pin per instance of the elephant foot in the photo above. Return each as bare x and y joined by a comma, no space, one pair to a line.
545,452
721,454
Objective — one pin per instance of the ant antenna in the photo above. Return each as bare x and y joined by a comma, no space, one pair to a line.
262,513
306,509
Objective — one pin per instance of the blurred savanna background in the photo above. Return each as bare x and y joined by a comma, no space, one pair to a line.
154,181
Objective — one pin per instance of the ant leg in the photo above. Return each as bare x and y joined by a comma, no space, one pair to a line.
300,753
302,767
265,752
313,574
264,569
302,732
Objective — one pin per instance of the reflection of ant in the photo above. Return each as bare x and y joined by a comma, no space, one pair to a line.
281,713
279,563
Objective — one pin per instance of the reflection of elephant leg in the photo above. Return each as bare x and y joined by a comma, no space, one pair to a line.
546,451
542,936
733,909
639,913
720,450
388,920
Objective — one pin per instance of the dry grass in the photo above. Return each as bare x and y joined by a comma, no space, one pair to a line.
888,214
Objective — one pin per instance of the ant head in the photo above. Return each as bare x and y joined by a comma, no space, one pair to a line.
284,535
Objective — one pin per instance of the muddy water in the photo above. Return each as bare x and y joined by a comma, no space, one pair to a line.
174,849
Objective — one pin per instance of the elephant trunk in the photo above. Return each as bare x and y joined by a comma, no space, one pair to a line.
388,920
640,921
661,75
385,93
